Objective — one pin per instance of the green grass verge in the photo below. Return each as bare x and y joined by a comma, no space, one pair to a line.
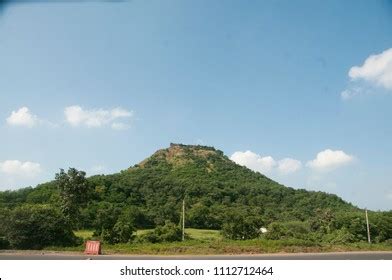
203,234
228,247
85,233
198,234
210,242
140,232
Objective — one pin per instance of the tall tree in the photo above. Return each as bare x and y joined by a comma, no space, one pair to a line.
73,188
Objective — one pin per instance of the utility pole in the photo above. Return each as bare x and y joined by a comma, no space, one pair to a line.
367,225
183,219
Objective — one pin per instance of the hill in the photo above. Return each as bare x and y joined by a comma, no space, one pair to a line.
218,193
209,181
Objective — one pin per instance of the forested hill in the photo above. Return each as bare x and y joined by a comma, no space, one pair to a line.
211,184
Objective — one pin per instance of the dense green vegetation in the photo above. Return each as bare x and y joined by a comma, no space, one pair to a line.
73,192
36,226
219,195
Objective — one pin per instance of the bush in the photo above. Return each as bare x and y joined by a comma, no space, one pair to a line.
4,244
167,233
340,236
115,226
122,232
34,227
388,242
285,230
4,213
240,226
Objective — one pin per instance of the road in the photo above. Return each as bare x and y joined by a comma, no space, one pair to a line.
296,256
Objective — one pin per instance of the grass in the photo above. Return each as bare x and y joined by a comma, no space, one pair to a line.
141,232
198,234
228,247
203,234
208,242
85,233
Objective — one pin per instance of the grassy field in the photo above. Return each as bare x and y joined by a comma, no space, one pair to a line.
208,242
204,234
85,234
197,247
193,233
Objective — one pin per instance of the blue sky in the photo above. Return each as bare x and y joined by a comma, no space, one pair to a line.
299,91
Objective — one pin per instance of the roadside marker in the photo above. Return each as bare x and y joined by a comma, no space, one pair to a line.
93,248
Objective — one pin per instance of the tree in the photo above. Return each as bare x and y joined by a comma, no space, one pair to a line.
4,214
239,225
34,227
114,225
201,216
73,188
323,221
124,227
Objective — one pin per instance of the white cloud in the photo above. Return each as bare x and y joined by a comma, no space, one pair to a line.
18,168
265,164
328,160
376,69
289,165
77,116
254,161
22,117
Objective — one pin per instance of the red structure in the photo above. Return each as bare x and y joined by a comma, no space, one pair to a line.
93,248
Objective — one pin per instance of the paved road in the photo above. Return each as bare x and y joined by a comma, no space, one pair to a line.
301,256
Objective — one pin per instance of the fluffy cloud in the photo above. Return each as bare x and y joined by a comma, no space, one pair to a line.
289,165
22,117
328,160
376,69
77,116
265,164
18,168
254,161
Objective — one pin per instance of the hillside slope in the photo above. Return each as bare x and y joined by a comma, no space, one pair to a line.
211,184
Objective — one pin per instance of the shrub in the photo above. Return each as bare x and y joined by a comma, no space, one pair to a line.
292,229
34,227
115,226
4,213
388,242
3,243
240,226
340,236
122,232
167,233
